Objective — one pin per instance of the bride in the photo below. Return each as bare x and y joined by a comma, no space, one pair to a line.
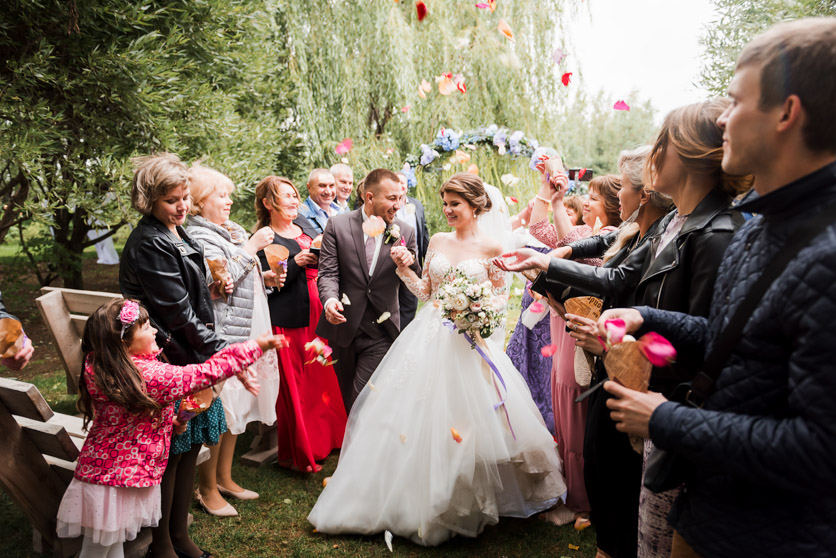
428,452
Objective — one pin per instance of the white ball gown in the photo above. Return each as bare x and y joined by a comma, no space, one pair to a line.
400,467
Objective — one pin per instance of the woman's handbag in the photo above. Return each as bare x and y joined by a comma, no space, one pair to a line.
666,470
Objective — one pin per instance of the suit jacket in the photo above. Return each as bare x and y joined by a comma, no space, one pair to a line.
422,235
343,270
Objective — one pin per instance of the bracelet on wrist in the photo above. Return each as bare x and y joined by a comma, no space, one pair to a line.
542,199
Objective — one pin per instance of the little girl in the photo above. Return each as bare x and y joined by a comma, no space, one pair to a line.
130,396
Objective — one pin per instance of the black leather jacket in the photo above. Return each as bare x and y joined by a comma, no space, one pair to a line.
681,278
168,276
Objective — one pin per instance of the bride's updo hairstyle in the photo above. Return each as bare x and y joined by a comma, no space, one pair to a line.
470,187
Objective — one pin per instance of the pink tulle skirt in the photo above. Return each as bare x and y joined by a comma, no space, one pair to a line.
107,514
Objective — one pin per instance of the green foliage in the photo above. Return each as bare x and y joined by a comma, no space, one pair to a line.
354,69
739,22
90,84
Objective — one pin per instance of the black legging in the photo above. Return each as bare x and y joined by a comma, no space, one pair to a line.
176,501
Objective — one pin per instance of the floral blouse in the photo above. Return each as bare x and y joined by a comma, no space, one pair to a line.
130,449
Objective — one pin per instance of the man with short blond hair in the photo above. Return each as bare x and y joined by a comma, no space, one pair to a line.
320,205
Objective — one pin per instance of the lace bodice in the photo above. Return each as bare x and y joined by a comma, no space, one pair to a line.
436,270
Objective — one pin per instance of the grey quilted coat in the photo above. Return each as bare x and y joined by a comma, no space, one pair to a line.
233,319
764,444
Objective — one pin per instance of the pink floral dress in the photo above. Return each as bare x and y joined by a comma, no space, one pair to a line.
115,491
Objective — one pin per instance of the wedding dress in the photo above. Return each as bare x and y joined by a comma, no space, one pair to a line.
402,468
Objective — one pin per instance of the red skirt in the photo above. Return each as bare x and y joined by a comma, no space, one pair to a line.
310,415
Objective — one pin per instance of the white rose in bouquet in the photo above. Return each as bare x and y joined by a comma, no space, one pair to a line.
460,302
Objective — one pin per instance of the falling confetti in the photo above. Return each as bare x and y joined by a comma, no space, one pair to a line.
445,82
456,435
387,538
509,179
325,481
421,10
424,88
460,157
345,300
383,317
505,29
374,226
537,308
559,55
548,350
621,105
326,398
473,169
566,78
511,199
406,108
344,146
403,438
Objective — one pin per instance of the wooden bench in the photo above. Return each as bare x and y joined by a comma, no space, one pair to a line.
37,461
65,313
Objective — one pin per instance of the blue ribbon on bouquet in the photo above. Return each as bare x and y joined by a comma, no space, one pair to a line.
452,327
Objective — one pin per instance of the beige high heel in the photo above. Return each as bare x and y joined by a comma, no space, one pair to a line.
226,511
243,495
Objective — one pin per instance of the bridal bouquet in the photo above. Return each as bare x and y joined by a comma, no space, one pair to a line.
470,306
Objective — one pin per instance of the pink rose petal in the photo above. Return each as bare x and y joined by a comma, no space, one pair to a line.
344,146
621,105
616,330
657,349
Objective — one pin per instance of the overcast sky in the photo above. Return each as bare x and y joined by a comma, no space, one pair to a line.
651,46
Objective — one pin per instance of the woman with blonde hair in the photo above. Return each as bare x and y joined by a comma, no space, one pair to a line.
240,315
310,415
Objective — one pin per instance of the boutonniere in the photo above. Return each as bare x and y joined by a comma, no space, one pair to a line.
393,233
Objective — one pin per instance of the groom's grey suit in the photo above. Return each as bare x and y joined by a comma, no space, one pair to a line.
359,343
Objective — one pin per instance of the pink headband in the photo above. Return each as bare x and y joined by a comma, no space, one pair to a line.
128,315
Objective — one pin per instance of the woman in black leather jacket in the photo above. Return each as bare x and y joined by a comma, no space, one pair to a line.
164,269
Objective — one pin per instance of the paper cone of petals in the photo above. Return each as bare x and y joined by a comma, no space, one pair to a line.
11,337
277,258
584,306
220,273
625,363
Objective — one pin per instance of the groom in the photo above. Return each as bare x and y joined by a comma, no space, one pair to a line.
357,281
